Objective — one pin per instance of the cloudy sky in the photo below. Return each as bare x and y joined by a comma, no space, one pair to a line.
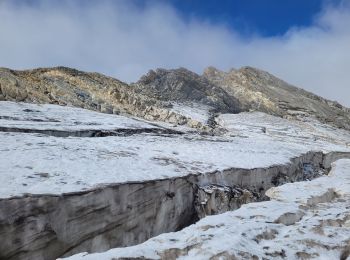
306,43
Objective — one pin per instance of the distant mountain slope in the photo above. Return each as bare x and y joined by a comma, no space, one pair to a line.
156,93
261,91
182,85
67,86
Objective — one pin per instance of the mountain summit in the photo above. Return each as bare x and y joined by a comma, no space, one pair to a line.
159,92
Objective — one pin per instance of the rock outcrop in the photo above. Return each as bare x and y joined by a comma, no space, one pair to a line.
182,85
93,91
154,95
258,90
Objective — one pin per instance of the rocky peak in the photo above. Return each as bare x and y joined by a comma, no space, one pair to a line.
182,85
261,91
213,73
162,78
245,89
148,78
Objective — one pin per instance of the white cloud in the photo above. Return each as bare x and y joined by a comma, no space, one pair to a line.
123,40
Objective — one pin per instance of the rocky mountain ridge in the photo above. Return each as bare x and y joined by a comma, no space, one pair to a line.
156,93
259,90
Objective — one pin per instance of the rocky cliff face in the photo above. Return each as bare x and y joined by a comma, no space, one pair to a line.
156,93
66,86
260,91
182,85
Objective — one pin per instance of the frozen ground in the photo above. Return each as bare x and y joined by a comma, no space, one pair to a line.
32,163
307,131
40,164
304,220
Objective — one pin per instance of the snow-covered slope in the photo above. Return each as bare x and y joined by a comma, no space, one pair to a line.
39,163
53,117
73,180
303,220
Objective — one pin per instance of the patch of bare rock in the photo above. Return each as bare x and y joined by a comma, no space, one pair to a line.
156,93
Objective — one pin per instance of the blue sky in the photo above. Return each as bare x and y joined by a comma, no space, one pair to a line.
305,42
265,17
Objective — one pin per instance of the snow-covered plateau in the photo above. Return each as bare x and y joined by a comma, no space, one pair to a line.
73,180
39,163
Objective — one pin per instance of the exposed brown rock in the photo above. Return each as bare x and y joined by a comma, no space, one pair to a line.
153,95
258,90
